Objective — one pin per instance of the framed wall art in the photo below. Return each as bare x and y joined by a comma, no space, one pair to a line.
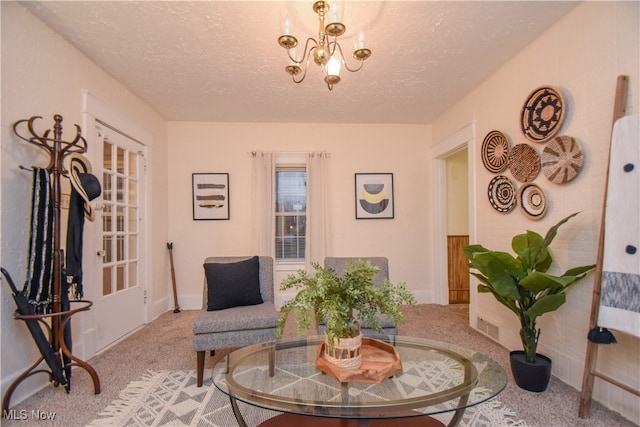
374,195
210,196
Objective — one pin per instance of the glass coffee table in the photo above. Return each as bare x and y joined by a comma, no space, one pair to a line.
437,383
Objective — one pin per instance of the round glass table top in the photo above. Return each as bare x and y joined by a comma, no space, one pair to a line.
436,377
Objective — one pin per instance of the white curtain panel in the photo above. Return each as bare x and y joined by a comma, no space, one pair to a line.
263,210
317,217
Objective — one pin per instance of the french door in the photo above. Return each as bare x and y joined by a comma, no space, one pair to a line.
119,306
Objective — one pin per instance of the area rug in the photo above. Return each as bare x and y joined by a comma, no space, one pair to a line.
171,398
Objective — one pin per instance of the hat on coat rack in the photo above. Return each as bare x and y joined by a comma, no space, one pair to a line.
84,182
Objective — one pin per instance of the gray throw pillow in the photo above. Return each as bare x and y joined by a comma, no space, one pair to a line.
233,284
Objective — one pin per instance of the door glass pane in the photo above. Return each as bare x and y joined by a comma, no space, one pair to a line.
107,223
120,187
120,248
133,220
106,280
133,192
106,186
120,218
107,162
106,246
133,246
121,158
133,274
133,165
120,278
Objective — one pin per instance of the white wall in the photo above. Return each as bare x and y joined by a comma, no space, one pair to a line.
43,75
582,55
224,147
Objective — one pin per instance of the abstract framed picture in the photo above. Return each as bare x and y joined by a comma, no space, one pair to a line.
210,196
374,196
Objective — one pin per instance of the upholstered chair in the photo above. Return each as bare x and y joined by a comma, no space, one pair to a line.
339,265
238,306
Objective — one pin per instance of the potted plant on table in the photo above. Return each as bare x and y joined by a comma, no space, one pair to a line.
523,285
344,302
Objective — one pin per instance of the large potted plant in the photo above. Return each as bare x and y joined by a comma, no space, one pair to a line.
344,302
523,285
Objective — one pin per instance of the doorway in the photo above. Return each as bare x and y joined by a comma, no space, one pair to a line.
458,143
116,245
457,226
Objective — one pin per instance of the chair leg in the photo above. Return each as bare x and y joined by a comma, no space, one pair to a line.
199,367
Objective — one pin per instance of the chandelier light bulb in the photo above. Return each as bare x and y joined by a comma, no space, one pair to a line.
287,21
333,66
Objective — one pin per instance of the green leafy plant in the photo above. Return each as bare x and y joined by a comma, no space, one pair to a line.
343,301
522,284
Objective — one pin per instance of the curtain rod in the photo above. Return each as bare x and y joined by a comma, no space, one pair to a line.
253,153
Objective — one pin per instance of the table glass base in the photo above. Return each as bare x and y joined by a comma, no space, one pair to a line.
291,420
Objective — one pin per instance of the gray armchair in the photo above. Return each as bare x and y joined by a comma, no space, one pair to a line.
339,265
236,326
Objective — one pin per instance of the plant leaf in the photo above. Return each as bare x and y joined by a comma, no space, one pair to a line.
502,271
528,247
546,304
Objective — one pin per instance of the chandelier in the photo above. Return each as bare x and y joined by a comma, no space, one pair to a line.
326,51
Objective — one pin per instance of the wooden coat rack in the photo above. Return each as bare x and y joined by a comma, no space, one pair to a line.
56,319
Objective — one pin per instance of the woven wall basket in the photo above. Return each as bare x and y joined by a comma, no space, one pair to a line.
542,114
562,159
532,201
346,353
495,151
502,194
524,162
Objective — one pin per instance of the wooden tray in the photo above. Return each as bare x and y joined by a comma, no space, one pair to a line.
379,361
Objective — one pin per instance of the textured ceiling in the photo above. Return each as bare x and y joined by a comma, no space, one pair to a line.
220,60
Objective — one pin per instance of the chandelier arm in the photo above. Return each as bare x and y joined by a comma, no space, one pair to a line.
353,70
306,67
306,46
334,43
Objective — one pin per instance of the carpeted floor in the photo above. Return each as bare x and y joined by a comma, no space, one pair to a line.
165,345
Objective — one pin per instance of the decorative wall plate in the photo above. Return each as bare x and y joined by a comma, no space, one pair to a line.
495,151
524,162
542,114
532,201
562,159
502,194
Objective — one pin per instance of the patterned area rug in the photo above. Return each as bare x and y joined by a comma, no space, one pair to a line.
171,398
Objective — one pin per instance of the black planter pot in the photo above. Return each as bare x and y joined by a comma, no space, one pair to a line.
530,376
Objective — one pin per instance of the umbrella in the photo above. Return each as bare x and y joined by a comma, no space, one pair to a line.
25,308
65,305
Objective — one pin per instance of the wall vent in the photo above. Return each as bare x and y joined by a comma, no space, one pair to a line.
488,329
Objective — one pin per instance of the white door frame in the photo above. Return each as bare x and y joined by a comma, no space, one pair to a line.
459,140
95,111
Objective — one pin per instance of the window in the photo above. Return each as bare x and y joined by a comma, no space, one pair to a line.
291,212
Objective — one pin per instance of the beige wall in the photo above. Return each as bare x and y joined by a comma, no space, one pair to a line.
458,194
582,55
224,147
43,75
